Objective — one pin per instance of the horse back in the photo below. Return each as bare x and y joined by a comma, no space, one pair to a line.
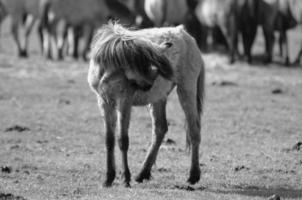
184,54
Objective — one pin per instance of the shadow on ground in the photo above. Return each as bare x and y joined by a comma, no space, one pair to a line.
263,192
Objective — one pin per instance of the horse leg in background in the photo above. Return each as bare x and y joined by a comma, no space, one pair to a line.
48,32
230,31
268,32
160,128
187,97
280,42
110,124
124,112
62,29
283,44
298,58
41,36
248,37
15,31
29,23
74,38
87,37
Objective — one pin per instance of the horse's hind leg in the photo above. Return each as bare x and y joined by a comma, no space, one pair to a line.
124,113
298,58
188,100
160,128
110,124
283,44
29,23
15,33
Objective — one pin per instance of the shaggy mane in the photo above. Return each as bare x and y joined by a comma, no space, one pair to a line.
120,48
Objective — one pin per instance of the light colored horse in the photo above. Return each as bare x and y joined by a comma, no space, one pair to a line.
296,9
22,12
222,14
79,14
137,68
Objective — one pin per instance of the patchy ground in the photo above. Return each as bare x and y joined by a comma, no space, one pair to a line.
52,139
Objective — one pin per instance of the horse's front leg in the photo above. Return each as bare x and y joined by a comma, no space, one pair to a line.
110,124
160,128
124,112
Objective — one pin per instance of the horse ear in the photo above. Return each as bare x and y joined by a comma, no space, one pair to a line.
165,45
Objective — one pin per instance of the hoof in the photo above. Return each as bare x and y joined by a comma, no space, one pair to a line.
194,176
143,176
109,180
107,184
127,185
232,61
287,63
23,54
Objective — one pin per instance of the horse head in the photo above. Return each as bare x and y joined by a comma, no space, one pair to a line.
118,49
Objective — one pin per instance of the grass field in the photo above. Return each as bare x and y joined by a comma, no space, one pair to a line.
52,139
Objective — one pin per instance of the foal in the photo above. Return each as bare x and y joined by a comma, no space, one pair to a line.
136,68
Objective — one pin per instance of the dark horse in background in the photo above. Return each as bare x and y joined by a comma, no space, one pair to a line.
275,15
173,12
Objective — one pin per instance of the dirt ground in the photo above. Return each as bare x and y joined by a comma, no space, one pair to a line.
52,138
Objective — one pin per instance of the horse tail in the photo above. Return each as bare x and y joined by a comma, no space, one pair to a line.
200,92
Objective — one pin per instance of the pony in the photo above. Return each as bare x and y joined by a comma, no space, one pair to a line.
83,15
141,67
22,12
175,12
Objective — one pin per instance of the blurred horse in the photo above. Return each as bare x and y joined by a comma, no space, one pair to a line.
222,14
22,12
137,68
276,15
82,16
296,9
137,7
174,12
